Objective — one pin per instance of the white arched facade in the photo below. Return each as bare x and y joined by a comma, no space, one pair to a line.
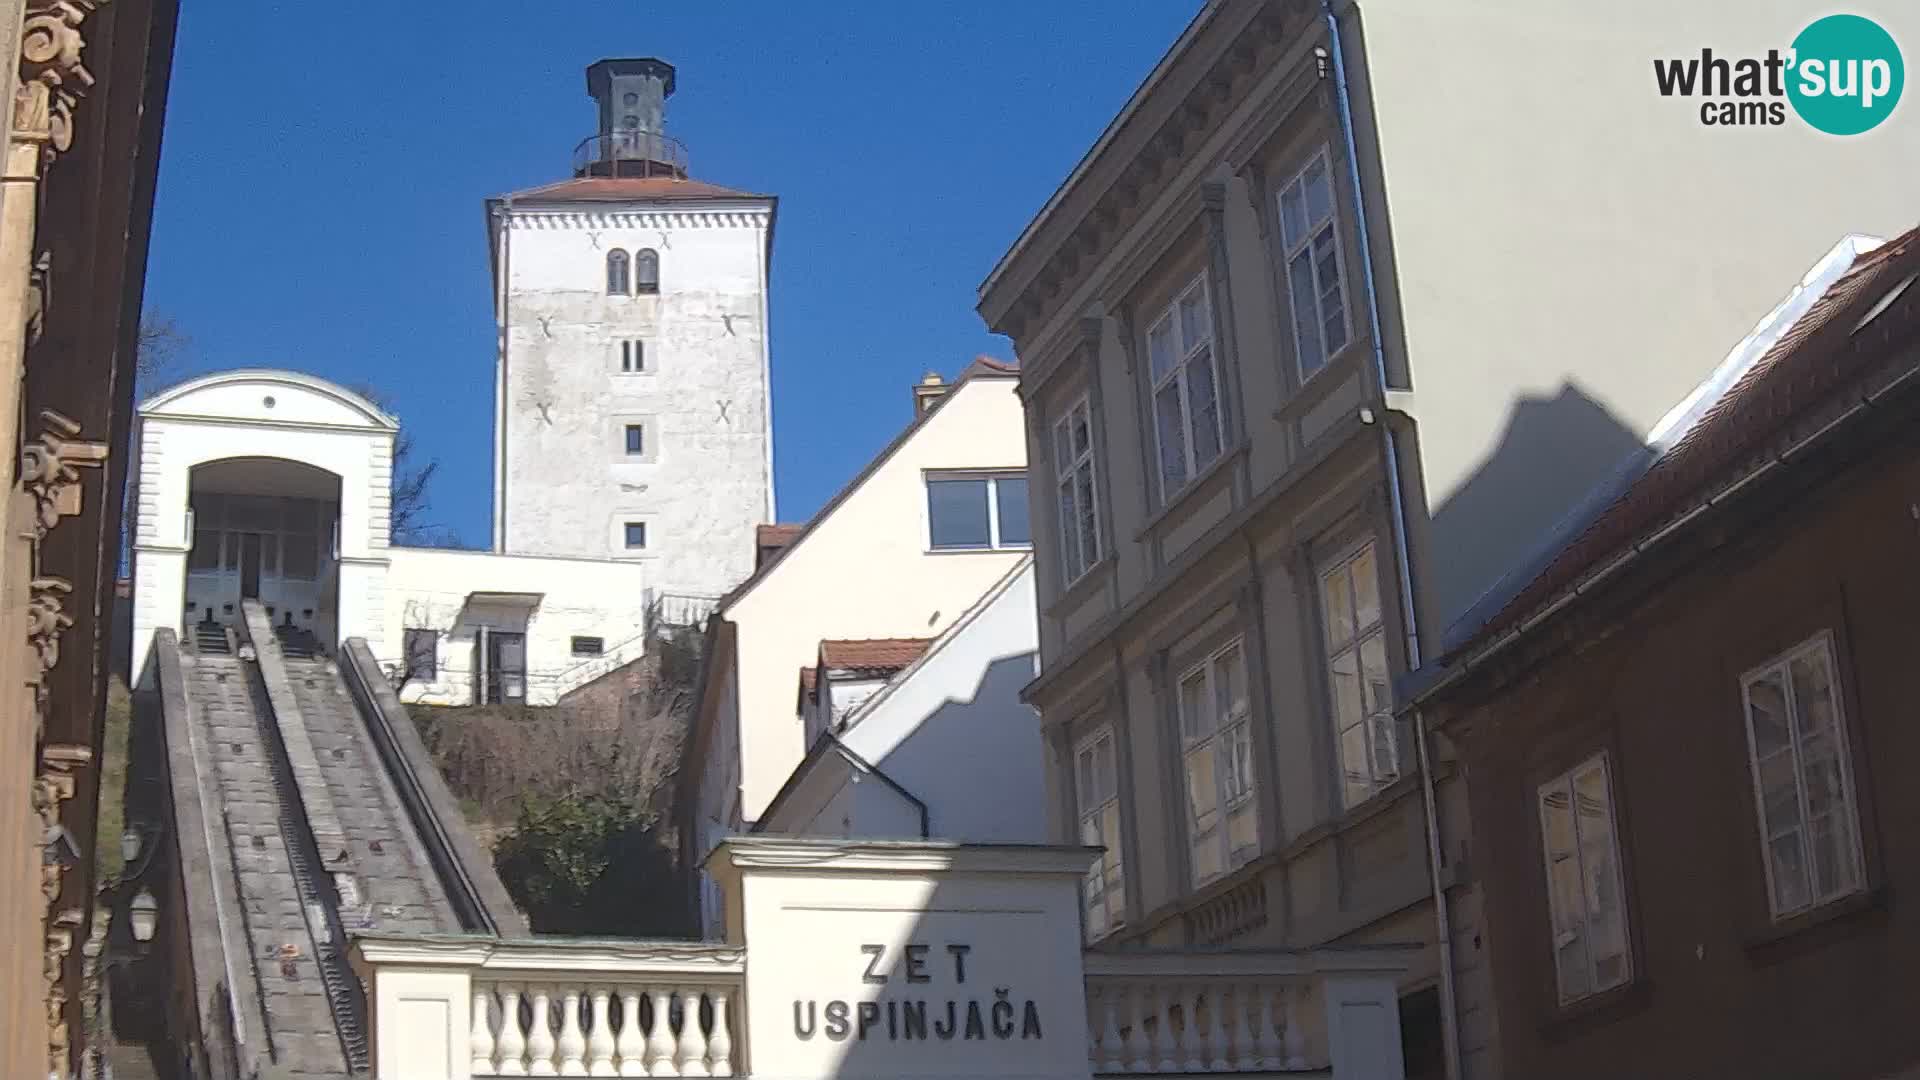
278,486
265,430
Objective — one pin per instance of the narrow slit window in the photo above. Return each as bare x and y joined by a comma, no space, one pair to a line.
636,440
633,356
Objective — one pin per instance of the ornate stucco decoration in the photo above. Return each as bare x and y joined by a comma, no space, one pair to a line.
52,78
47,620
50,468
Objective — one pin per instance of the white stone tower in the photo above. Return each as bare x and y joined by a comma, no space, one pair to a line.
633,417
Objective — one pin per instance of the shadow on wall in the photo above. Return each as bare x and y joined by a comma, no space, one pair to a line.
977,762
1553,453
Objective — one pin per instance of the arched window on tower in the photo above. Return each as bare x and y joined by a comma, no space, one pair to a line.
617,273
646,271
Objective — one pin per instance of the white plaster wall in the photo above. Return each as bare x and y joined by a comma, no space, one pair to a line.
221,416
865,571
706,480
954,732
1575,252
428,587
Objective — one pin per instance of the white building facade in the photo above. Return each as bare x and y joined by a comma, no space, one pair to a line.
945,749
634,420
276,486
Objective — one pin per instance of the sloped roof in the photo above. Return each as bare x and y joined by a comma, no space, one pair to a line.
777,535
627,189
1804,366
875,655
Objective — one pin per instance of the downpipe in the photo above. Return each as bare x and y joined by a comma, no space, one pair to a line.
1443,928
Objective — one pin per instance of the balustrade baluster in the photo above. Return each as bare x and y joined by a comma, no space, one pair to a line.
1132,1018
512,1050
1294,1039
600,1036
480,1046
693,1041
540,1045
660,1045
1211,1053
1189,1035
1249,1014
1164,1059
632,1044
573,1042
720,1043
1110,1058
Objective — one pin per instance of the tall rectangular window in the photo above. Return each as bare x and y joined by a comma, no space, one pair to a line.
1803,779
1216,738
1097,793
979,511
1074,475
422,653
633,356
1186,397
1585,899
1311,248
636,440
1356,652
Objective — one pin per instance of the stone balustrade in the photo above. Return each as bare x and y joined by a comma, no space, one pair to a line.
551,1007
1205,1011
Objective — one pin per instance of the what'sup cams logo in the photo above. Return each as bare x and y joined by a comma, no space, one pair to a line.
1842,75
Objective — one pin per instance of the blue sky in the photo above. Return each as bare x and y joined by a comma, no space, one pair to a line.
324,166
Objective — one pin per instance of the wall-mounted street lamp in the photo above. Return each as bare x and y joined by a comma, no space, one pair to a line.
143,912
129,847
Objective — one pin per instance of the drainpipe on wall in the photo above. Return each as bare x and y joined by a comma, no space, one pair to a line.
504,319
1449,1014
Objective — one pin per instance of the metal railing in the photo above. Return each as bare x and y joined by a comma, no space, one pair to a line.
630,153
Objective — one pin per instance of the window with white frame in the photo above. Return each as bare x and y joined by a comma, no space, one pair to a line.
1316,287
1585,899
1357,677
1097,793
633,356
977,511
1074,473
1216,740
1802,779
1186,388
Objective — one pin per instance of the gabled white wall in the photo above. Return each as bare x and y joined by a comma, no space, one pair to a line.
953,731
863,571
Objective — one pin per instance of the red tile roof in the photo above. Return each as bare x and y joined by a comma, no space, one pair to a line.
628,188
777,536
1808,363
873,654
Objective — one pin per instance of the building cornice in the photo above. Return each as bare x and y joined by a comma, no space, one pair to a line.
574,216
810,855
1185,103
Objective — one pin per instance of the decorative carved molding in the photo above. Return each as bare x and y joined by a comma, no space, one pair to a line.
50,468
46,621
59,944
52,78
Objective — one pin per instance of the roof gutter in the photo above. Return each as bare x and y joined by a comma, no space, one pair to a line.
1409,618
1635,550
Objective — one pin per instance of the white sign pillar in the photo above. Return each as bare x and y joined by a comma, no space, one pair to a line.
887,960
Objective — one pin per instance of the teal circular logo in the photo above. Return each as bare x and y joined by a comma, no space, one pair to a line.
1846,74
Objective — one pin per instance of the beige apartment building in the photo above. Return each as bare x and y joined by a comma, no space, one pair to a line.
1347,308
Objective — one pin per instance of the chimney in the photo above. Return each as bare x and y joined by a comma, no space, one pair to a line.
632,138
927,393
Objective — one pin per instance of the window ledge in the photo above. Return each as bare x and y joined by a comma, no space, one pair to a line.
1596,1010
1770,943
1189,492
1315,388
1084,586
1021,550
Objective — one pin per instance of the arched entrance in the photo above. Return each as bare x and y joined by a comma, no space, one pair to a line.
263,528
